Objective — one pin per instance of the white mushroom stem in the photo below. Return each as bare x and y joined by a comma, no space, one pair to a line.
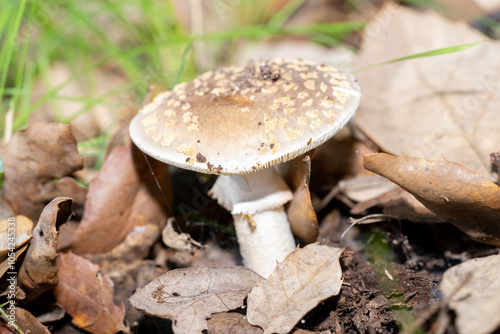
256,201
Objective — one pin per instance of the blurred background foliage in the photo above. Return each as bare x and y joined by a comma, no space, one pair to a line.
93,62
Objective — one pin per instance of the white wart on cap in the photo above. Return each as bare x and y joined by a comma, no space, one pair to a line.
238,120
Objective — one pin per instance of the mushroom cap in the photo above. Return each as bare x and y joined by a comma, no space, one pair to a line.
239,120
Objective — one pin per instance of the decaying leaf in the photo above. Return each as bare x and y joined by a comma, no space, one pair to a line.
28,323
6,265
68,186
33,158
123,195
466,199
472,289
233,322
38,272
359,189
135,247
126,265
428,107
181,243
398,203
306,277
14,232
190,296
300,212
87,295
15,239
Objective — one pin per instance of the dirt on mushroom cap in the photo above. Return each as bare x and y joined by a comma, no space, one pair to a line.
238,120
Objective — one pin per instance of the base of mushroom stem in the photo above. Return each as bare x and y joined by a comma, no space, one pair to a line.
264,238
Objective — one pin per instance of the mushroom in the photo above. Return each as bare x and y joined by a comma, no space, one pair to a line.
239,122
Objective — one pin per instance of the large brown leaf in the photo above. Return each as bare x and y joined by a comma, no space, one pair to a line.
32,159
466,199
428,107
87,296
122,195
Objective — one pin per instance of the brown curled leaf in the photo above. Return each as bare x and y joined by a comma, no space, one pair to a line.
467,200
301,214
38,272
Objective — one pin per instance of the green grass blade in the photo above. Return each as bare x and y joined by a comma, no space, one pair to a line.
437,52
284,14
8,46
245,32
183,61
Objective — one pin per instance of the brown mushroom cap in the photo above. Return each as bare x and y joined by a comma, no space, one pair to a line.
238,120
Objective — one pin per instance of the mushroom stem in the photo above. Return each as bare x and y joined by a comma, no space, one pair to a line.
256,201
264,238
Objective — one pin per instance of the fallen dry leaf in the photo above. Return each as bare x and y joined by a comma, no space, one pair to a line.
126,265
123,195
38,271
190,296
135,247
28,323
306,277
398,203
466,199
6,265
428,107
300,212
19,233
183,245
66,185
472,289
33,158
87,296
233,322
19,239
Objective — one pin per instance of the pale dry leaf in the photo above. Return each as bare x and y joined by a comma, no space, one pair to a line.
464,198
190,296
306,277
134,248
183,245
14,232
472,289
6,264
428,107
87,295
466,10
